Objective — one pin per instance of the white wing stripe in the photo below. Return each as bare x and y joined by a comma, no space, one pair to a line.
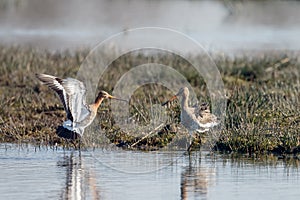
72,94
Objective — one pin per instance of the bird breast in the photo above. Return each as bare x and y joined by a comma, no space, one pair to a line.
189,121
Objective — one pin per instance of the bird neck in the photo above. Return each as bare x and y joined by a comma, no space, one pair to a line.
184,101
98,102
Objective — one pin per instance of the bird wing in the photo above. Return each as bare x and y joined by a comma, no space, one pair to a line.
56,84
76,93
72,94
199,110
205,118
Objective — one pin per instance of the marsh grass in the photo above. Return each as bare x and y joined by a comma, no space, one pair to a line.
263,109
263,101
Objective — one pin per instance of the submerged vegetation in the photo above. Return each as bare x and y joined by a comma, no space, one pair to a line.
262,91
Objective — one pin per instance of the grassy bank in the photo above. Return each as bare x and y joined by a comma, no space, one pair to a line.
263,101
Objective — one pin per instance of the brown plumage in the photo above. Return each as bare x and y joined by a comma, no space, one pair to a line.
72,94
198,118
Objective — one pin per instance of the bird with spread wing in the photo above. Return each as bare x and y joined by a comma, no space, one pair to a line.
72,94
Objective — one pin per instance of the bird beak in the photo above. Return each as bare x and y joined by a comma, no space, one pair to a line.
116,98
174,97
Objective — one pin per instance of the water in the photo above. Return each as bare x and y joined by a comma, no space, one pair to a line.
217,25
42,173
28,172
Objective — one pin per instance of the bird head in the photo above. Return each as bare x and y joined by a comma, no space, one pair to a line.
104,95
182,92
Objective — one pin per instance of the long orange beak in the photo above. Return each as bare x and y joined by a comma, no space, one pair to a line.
116,98
174,97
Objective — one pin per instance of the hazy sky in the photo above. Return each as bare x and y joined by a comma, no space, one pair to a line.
215,24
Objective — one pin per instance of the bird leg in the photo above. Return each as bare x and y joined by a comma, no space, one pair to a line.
190,142
193,137
79,144
73,142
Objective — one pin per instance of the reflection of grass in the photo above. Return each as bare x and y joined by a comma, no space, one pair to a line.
263,107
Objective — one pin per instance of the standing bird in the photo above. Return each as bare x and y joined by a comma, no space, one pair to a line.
197,118
72,94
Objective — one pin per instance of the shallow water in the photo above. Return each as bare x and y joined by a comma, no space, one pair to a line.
217,25
37,173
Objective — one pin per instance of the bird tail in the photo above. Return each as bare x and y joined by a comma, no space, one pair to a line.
66,133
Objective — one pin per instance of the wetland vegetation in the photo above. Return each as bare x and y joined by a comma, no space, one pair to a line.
262,91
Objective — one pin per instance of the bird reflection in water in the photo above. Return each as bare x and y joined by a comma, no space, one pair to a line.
195,181
80,181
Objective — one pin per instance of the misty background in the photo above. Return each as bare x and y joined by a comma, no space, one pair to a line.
217,25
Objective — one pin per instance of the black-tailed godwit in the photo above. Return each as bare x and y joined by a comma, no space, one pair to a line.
197,118
72,94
